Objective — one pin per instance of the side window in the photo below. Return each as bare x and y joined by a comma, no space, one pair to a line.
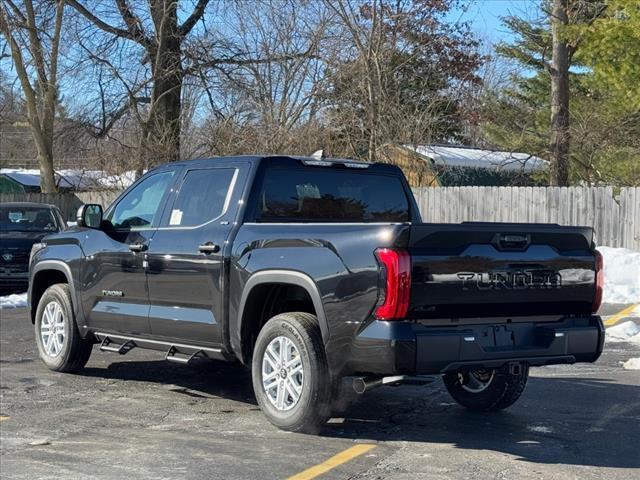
202,197
138,208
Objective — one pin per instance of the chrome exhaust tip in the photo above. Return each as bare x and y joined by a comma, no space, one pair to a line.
364,384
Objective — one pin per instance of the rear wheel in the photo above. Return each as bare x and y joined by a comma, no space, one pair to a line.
487,389
290,374
60,345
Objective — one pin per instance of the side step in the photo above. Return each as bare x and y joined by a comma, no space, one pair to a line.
174,352
122,348
173,355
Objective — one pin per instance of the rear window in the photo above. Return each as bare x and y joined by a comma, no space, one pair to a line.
329,194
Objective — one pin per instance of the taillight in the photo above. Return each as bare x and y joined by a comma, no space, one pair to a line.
397,283
597,299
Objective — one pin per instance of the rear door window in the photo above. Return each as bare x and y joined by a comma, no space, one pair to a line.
308,194
203,196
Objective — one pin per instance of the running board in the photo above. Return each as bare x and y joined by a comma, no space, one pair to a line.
174,352
122,349
173,355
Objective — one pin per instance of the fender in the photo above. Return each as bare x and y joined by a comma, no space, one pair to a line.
59,266
291,277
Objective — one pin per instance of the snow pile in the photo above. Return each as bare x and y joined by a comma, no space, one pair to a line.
461,156
73,179
632,364
621,275
624,332
13,301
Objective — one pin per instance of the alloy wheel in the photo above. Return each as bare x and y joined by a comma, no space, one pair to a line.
282,373
52,329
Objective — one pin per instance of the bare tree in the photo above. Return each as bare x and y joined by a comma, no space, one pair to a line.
398,74
34,40
162,40
274,98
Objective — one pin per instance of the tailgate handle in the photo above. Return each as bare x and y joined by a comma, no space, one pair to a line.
513,240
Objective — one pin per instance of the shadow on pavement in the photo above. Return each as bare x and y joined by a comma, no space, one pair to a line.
231,381
558,420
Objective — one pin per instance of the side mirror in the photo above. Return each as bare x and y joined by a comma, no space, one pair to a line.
89,216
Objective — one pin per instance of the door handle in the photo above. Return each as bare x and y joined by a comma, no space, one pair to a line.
137,247
209,247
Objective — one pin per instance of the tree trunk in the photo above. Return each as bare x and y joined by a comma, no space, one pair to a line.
42,134
163,126
559,145
47,177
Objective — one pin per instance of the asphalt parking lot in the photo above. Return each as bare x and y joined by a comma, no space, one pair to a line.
137,416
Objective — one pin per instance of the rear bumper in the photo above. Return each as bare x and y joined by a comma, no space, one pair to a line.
388,348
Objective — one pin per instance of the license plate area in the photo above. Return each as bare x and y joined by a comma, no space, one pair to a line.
496,337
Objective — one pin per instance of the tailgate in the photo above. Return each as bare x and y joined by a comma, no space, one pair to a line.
475,270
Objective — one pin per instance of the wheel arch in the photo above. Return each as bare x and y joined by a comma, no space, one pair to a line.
256,288
45,274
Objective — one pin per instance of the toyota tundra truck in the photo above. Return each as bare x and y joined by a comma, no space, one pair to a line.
312,272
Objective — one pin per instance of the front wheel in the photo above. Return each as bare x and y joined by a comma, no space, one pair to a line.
60,345
487,389
290,375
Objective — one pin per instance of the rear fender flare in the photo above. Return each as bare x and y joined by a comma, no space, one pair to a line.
290,277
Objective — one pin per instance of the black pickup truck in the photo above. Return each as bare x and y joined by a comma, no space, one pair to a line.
311,272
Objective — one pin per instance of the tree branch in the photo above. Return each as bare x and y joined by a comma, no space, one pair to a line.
216,62
119,32
133,23
194,18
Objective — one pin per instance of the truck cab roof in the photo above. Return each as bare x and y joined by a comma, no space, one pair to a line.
283,160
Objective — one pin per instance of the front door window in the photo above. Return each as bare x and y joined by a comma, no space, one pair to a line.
140,207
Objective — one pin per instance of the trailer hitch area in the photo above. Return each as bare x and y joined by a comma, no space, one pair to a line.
364,384
515,368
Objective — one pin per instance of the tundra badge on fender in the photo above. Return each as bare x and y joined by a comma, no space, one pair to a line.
113,293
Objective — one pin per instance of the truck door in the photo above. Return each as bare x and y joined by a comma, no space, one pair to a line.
185,273
113,272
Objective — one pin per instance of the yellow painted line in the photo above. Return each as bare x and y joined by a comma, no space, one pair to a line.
333,462
620,315
3,418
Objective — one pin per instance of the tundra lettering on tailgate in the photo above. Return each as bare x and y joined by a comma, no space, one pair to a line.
520,280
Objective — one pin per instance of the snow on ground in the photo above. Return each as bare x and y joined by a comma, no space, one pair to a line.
632,364
13,301
624,332
621,275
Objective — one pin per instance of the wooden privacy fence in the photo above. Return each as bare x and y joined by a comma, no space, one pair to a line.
68,203
616,220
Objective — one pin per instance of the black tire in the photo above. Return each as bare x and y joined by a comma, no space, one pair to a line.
75,350
313,407
502,391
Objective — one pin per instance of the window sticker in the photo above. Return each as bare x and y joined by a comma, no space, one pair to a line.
176,217
308,190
